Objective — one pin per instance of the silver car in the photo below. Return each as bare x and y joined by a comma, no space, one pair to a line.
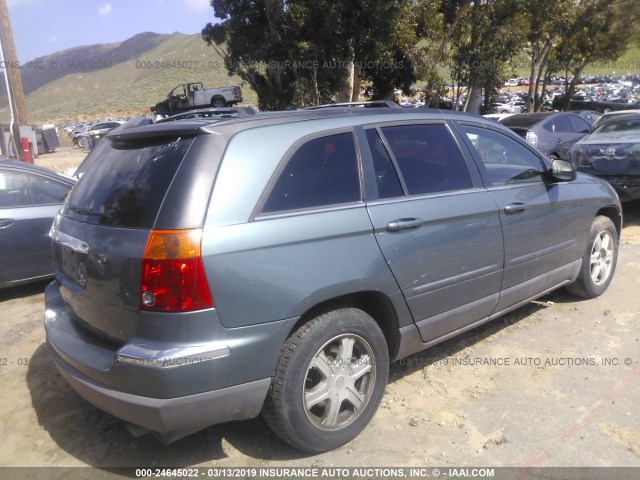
275,263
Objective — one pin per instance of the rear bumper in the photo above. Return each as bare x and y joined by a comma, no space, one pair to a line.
167,386
191,412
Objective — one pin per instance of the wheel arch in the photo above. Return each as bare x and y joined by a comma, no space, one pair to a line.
375,304
613,214
217,96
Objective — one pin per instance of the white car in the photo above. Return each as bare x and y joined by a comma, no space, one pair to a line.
508,107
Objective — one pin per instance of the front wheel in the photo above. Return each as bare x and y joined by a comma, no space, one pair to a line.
329,381
599,260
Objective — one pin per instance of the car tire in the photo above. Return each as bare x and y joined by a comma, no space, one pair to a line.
218,102
599,260
341,354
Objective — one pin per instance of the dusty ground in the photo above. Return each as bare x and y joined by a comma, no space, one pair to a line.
551,401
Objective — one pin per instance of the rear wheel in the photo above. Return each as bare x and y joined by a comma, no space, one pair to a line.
329,381
218,102
599,260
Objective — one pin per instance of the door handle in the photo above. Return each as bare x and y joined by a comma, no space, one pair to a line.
404,224
6,222
517,207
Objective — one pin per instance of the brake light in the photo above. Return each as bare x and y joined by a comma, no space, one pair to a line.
532,138
173,278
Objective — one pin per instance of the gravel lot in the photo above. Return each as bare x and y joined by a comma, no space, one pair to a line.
555,383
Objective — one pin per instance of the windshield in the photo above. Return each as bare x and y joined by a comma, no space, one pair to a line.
618,125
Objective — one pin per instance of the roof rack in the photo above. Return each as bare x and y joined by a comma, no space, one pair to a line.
225,112
369,104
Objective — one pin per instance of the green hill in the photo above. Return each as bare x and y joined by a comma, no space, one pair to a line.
120,79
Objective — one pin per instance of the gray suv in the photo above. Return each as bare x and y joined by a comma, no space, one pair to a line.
274,264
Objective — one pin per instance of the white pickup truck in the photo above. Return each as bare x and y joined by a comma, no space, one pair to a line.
188,96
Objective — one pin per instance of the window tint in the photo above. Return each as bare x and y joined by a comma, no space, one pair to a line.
386,177
428,157
505,160
21,189
561,124
579,125
13,191
125,184
43,191
322,172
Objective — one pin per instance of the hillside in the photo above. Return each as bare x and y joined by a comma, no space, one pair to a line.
119,79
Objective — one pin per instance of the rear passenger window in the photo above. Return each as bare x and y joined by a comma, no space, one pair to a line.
386,177
428,157
322,172
579,125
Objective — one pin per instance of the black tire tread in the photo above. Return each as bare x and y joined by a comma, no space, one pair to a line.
273,407
579,287
274,411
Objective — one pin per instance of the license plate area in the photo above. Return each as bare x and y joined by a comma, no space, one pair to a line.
73,265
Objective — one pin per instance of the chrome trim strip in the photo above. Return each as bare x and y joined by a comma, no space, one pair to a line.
68,241
157,357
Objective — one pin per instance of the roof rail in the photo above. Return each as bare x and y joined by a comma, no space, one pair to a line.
369,104
224,112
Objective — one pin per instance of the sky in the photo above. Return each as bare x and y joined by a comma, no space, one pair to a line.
41,27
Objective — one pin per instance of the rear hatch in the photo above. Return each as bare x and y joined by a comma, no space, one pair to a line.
102,231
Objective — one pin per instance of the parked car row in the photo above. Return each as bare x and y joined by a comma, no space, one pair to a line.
606,145
553,133
612,152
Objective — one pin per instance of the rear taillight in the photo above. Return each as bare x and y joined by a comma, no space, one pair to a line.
532,138
173,278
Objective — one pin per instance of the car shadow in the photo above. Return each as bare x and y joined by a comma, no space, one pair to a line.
22,291
631,214
101,440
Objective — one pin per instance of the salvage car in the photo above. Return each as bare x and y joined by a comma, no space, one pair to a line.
30,198
612,152
209,271
551,133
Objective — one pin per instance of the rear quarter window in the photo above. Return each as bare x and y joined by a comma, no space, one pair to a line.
322,172
125,185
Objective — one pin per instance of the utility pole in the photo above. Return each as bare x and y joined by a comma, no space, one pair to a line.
13,79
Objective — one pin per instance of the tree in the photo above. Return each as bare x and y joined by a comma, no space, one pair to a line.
546,19
489,35
597,30
304,51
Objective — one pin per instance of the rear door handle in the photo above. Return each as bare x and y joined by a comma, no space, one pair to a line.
6,222
404,224
517,207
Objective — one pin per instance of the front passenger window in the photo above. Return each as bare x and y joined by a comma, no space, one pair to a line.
505,160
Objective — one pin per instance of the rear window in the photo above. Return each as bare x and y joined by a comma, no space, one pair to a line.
124,186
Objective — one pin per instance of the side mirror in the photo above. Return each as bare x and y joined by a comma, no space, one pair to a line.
562,170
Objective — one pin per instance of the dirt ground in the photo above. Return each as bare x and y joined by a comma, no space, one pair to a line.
555,383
